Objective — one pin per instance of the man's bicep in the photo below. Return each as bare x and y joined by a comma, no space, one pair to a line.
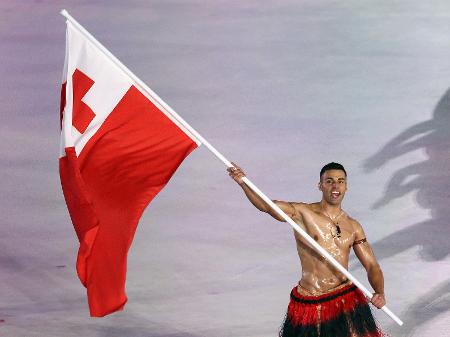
362,248
364,252
286,207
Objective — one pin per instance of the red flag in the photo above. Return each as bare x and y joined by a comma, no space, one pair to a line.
119,149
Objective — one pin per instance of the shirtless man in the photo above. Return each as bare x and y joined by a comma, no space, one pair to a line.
325,303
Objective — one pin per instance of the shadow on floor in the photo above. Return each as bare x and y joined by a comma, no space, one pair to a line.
424,309
430,179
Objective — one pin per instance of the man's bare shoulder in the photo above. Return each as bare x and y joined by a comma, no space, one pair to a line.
304,207
356,227
352,221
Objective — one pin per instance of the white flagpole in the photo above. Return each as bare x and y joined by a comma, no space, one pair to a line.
158,101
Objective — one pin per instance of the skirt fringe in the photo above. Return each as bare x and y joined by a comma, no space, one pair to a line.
342,313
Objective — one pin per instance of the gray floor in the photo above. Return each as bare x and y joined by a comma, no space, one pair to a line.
280,87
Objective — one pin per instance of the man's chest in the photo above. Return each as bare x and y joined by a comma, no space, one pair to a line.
329,233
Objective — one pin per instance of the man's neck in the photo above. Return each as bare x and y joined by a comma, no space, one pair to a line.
332,210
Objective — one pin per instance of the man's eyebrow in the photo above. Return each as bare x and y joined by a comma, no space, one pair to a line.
331,178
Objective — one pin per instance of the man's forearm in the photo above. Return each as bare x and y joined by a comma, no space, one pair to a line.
376,279
237,174
255,199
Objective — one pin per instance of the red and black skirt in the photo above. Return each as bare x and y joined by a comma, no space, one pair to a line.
341,313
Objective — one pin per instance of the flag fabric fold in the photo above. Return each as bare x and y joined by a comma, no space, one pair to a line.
119,148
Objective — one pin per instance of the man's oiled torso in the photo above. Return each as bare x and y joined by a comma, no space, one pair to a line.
318,275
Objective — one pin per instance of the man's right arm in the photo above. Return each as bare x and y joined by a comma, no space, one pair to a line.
237,174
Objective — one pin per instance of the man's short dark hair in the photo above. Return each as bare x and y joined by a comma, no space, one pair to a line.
332,166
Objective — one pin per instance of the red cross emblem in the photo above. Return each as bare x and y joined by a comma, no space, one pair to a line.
82,114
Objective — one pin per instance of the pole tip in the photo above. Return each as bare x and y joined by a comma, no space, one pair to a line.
64,13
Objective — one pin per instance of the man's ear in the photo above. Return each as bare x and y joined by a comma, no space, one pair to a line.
319,185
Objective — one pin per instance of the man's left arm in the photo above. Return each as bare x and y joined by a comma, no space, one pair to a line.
374,274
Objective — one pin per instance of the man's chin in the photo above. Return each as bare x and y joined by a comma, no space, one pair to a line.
334,201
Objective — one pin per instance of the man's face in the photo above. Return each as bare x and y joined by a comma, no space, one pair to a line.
333,185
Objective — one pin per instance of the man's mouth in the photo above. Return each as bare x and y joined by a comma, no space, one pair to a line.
335,194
